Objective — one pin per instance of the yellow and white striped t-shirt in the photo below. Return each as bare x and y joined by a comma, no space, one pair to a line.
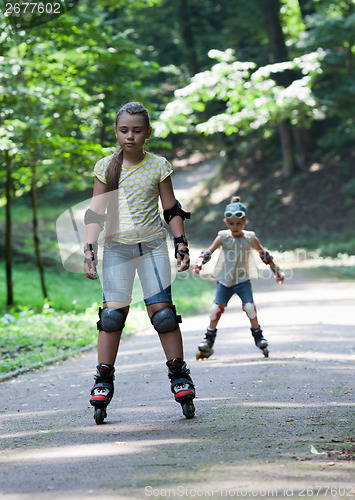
138,195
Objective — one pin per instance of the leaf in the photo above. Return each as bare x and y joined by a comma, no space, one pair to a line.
316,452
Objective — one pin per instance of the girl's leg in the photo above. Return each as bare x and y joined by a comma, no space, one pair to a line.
216,313
154,272
254,322
107,348
245,293
118,277
182,385
108,342
170,341
155,276
223,295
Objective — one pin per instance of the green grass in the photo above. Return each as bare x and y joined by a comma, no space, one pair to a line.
34,331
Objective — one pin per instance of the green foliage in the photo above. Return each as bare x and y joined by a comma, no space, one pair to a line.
332,28
292,23
191,294
28,338
251,98
349,192
60,87
338,248
243,96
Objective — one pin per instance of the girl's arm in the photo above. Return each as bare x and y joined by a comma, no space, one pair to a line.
92,229
205,255
217,243
256,244
176,224
268,260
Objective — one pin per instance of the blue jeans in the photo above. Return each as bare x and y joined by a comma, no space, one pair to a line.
149,259
224,293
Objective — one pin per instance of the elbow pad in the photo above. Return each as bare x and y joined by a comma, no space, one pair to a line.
175,210
92,217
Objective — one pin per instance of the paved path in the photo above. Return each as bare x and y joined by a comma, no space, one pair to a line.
278,427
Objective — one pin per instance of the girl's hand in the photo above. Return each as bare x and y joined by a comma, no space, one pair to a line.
183,261
90,267
205,256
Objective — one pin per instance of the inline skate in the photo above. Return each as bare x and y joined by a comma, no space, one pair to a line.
205,348
102,391
260,341
182,386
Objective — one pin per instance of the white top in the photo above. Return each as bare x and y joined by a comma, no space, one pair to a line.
235,259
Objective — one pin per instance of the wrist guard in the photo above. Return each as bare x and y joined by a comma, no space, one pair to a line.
266,257
180,239
175,210
205,256
91,247
279,275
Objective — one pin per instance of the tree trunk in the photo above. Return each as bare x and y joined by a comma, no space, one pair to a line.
306,7
270,10
35,233
188,37
295,142
8,236
304,144
288,156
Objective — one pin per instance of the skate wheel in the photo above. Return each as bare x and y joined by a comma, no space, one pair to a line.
204,355
100,415
188,410
266,352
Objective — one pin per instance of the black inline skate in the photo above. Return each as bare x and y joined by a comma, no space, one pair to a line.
205,348
260,341
181,385
102,391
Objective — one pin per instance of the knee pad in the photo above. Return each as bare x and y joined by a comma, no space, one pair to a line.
111,320
216,312
166,320
250,310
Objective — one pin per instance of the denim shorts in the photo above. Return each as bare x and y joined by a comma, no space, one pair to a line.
149,260
243,290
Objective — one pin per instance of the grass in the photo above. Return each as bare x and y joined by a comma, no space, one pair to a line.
34,330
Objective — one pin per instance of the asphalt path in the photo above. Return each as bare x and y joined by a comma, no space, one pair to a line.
275,427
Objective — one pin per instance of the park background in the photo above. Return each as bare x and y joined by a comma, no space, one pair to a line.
262,89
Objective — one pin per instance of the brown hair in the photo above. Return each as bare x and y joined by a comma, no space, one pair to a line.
235,199
115,166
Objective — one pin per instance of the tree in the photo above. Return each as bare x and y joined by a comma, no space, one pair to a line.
8,257
332,27
250,98
61,87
